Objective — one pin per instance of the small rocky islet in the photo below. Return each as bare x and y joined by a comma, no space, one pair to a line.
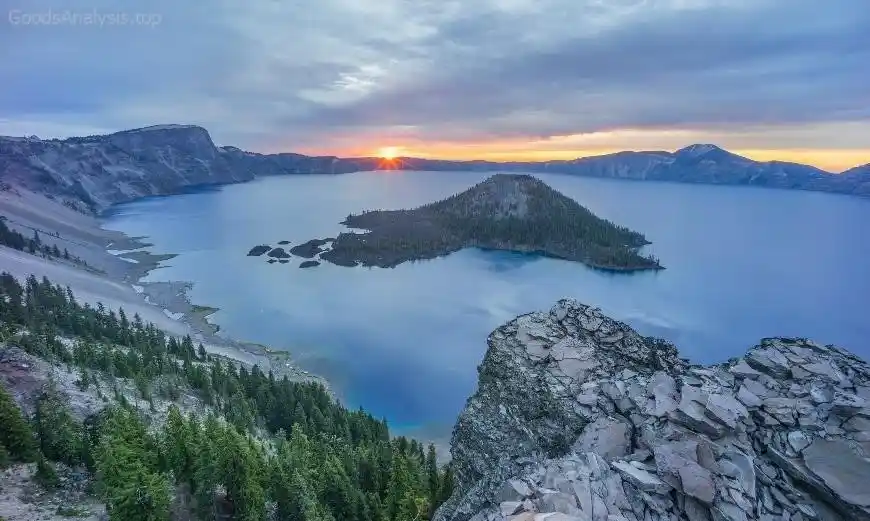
259,250
509,212
278,253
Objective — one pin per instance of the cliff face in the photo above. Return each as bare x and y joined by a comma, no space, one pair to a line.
578,416
92,173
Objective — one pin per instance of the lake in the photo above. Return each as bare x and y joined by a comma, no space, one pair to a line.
404,343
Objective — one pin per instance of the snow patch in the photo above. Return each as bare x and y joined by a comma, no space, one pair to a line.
121,252
138,289
173,316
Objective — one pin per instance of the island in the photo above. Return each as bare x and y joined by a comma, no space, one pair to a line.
309,264
508,212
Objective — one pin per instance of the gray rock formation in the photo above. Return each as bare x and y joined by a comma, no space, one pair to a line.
579,418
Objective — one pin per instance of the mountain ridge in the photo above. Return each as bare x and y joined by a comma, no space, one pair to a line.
91,173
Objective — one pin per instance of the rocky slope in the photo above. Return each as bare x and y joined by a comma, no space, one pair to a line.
580,418
91,173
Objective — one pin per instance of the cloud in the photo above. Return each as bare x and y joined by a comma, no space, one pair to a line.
297,74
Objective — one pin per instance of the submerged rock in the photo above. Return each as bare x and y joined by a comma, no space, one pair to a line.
577,416
283,243
256,251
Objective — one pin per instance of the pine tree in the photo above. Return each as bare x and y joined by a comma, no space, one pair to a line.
4,457
433,479
15,433
178,447
45,475
57,431
126,468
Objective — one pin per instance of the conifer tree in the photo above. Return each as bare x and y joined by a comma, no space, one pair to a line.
4,457
58,433
45,475
15,433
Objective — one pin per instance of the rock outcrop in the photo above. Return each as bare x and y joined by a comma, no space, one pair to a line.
579,418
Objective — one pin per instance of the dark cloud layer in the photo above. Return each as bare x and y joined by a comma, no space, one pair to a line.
302,73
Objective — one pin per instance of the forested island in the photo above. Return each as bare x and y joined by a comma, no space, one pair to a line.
510,212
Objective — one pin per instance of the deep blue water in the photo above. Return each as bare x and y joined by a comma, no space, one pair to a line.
742,264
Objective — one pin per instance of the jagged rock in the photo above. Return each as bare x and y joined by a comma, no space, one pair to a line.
769,361
837,465
644,480
607,437
748,399
781,434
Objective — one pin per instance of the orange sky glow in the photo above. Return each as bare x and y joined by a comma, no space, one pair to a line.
836,160
790,146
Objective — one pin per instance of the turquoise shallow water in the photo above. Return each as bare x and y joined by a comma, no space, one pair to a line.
742,264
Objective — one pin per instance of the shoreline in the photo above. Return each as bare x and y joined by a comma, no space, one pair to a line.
172,297
112,272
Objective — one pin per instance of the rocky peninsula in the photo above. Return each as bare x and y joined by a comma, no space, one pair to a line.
579,418
509,212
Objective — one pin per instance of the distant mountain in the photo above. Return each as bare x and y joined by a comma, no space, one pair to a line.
863,170
94,172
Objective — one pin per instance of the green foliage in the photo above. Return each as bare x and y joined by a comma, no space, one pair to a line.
34,245
126,466
327,464
45,475
58,434
72,512
15,433
4,457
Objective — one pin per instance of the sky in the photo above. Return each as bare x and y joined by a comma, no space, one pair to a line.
459,79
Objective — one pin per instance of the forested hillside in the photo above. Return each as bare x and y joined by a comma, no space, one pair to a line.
263,447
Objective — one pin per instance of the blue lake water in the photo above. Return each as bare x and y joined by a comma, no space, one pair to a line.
742,264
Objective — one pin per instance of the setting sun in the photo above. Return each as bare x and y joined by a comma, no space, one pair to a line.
388,152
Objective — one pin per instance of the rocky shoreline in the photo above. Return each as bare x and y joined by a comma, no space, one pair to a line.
173,297
114,265
579,418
